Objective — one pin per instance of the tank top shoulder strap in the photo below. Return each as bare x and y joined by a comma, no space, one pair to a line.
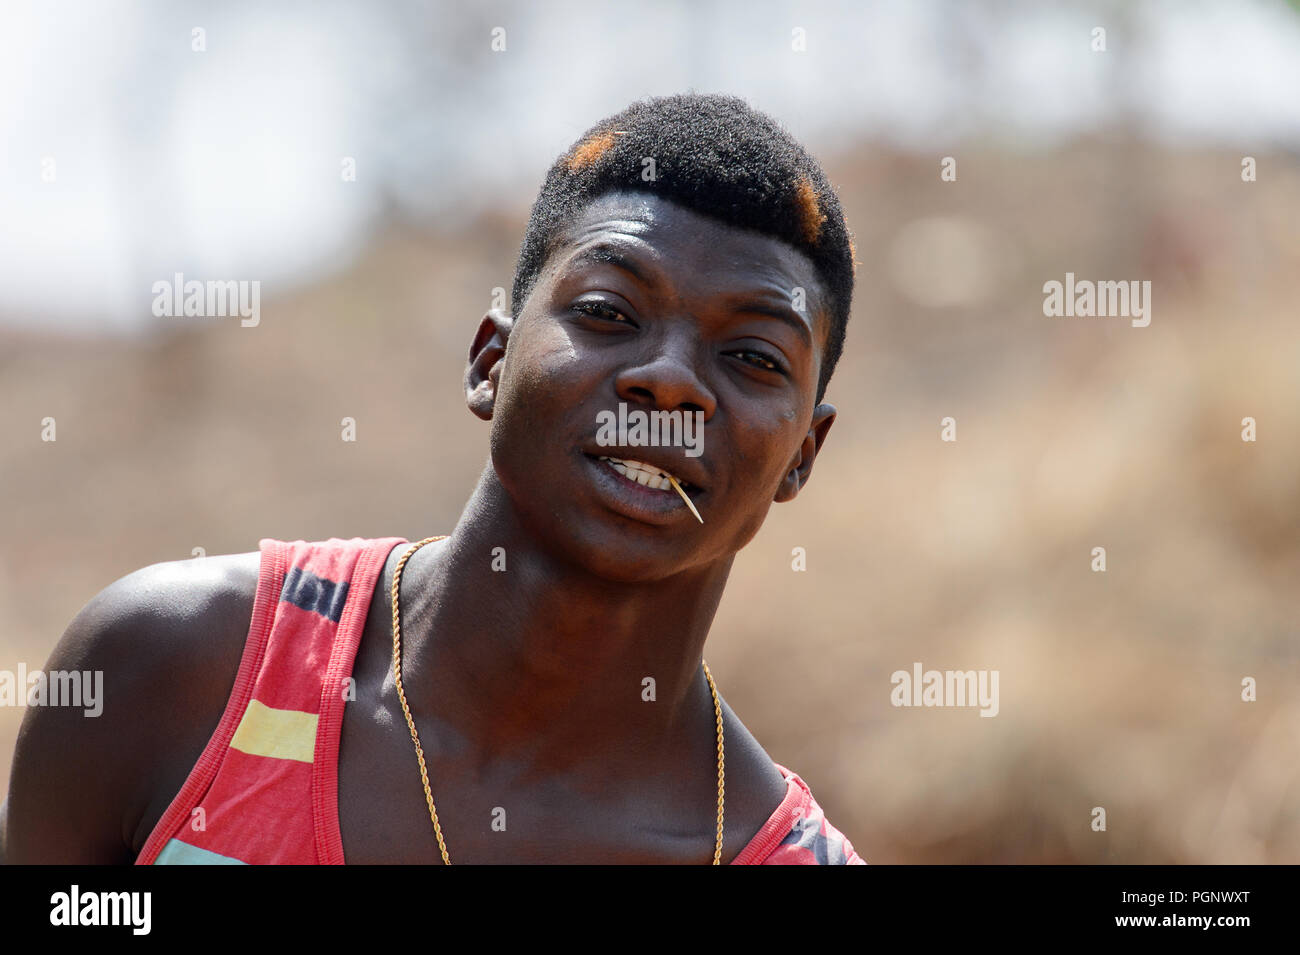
265,789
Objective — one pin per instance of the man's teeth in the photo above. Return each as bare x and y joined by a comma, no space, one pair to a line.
643,473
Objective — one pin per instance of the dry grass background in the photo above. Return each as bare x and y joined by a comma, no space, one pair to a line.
1119,690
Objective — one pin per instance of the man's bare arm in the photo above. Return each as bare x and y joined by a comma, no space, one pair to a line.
167,640
4,815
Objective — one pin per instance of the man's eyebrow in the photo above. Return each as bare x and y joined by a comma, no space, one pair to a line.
606,254
782,313
609,255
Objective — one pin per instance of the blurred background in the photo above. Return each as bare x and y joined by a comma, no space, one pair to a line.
130,155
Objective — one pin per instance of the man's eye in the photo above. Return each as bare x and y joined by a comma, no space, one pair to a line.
765,361
600,310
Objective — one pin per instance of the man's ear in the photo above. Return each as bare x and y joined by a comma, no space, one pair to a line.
486,353
801,467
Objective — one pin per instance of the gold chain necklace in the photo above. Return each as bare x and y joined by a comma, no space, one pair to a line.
415,737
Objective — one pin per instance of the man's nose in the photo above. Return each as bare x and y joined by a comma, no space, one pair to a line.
667,379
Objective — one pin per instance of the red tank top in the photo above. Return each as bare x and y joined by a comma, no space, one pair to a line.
265,789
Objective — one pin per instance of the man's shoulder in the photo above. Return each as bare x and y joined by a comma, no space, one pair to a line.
799,832
166,618
160,647
179,589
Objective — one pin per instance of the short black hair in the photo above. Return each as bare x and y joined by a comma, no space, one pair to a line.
713,154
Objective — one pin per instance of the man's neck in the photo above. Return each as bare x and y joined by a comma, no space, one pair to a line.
546,665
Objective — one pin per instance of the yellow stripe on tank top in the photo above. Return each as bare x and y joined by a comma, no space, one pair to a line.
279,734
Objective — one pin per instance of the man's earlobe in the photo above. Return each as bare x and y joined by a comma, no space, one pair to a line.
486,353
801,468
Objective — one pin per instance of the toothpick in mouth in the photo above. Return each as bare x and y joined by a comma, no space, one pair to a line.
678,488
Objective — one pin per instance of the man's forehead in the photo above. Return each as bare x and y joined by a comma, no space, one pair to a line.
672,235
635,211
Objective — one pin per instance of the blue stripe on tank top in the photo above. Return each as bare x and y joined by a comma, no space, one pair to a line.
304,589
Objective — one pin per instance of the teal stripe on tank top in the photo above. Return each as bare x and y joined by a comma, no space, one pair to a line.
182,853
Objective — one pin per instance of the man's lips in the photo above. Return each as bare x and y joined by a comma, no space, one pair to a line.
688,475
622,493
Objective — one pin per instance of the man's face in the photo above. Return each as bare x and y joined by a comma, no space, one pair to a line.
699,329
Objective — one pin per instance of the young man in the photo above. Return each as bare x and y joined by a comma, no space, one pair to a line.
685,255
